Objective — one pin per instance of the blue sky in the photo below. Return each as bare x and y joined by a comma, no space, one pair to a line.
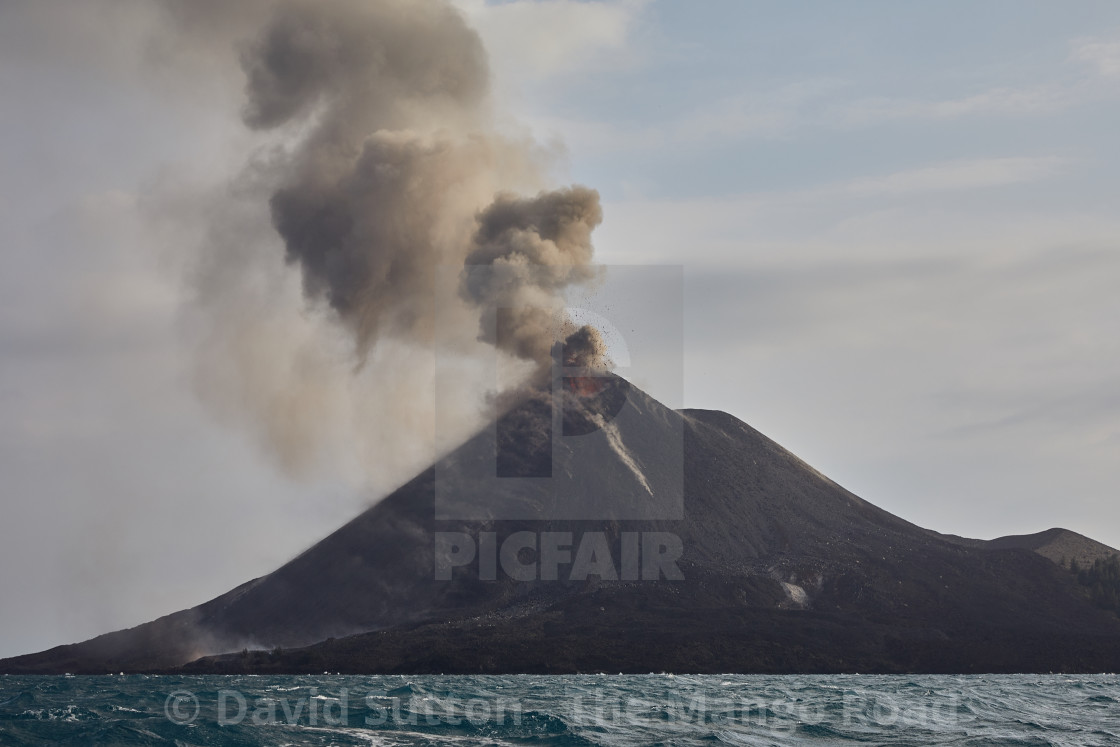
897,224
897,227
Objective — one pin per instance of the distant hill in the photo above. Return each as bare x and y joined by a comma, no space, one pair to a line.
783,570
1058,545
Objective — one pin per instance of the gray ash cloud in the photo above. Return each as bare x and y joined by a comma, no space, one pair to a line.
384,183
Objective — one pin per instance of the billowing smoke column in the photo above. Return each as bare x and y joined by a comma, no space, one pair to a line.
400,170
386,177
532,248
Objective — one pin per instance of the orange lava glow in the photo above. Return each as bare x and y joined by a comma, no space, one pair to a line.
585,386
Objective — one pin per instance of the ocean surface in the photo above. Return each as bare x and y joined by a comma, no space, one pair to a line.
569,710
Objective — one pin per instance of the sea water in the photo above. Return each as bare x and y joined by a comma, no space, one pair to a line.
561,710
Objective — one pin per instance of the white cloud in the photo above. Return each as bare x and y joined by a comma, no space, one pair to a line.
998,101
545,38
958,175
913,212
1103,54
768,115
1046,96
787,112
827,103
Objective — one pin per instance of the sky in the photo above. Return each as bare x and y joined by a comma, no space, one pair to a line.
896,224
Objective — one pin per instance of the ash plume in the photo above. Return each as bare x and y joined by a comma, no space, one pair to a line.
533,249
387,165
399,165
586,348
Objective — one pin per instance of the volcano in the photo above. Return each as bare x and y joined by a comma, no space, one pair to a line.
591,528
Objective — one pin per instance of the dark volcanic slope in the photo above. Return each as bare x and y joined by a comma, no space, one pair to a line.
784,570
1058,545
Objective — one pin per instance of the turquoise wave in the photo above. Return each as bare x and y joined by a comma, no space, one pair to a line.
620,710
